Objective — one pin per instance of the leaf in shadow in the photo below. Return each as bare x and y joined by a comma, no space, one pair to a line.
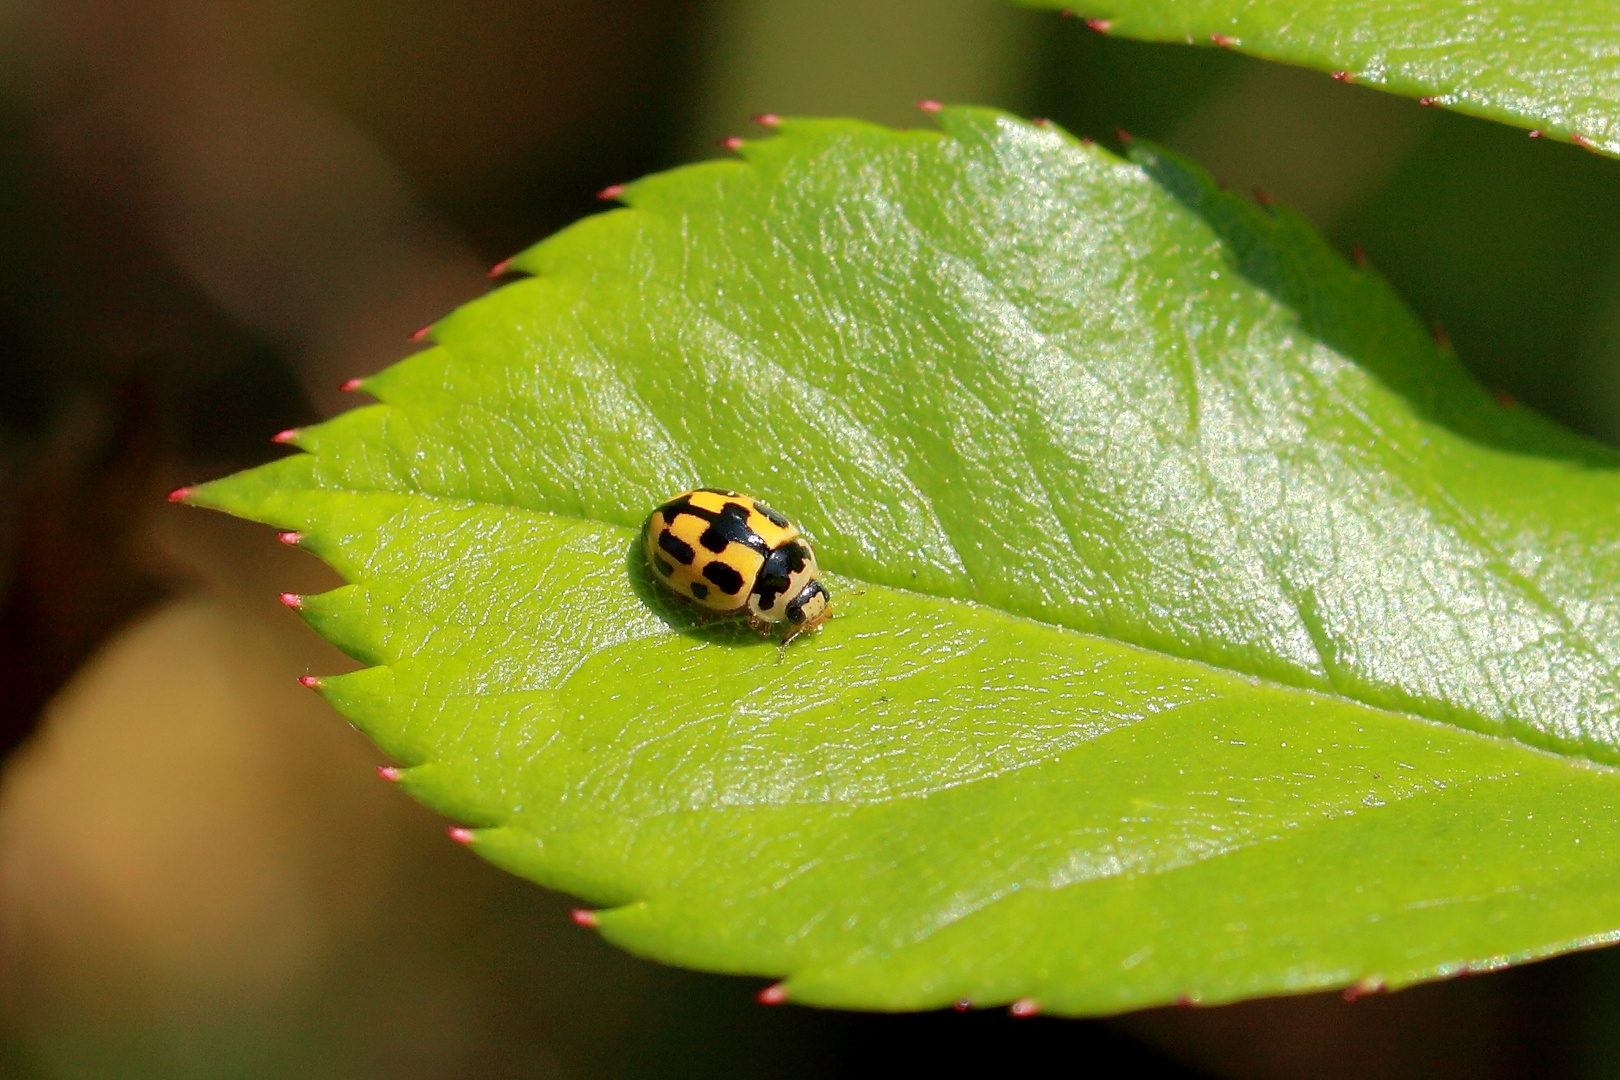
1531,63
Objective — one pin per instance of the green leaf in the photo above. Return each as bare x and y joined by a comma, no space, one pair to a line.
1185,588
1551,65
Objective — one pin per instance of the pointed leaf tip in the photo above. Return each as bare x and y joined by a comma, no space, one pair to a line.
180,494
284,436
774,994
611,192
461,836
312,682
389,773
292,600
352,385
583,917
1024,1007
731,142
929,105
291,539
766,119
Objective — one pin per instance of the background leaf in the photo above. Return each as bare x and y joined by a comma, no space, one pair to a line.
1531,63
1163,512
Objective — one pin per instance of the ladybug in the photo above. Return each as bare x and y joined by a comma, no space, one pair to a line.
730,553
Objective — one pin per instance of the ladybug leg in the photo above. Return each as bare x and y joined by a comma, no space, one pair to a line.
758,625
799,631
815,624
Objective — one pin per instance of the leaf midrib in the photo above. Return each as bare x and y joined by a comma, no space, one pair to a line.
395,662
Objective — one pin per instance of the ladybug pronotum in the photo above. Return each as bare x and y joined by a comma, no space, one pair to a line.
732,553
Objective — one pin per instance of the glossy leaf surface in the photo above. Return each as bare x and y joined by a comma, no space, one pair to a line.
1191,572
1539,64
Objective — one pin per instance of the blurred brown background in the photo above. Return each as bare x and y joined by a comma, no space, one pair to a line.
211,213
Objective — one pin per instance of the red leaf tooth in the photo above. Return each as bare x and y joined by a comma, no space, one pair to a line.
1024,1007
731,142
584,917
292,600
291,539
390,773
766,119
500,268
285,436
311,682
774,994
420,333
180,494
1101,26
611,192
461,836
352,385
1224,41
1372,984
929,105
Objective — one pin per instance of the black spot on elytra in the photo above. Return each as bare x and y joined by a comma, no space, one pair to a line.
775,518
664,566
678,549
699,589
725,578
730,526
714,538
775,575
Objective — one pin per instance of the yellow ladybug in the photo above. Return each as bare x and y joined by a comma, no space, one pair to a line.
730,553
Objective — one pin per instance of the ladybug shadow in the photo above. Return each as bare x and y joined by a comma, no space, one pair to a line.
682,615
